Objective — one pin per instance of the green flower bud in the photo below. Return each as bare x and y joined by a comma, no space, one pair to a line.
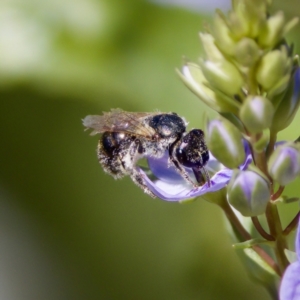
238,26
211,50
272,67
223,76
279,87
272,32
289,105
249,193
223,35
194,79
290,25
218,71
284,163
248,17
257,113
225,142
247,52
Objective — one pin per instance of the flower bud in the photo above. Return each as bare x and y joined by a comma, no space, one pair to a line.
289,105
257,113
220,74
279,87
290,25
238,25
272,67
223,76
247,52
248,17
194,79
211,50
249,193
225,142
284,163
223,35
273,30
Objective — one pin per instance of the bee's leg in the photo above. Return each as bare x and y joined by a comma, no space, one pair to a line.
183,173
129,164
138,179
179,168
118,158
202,176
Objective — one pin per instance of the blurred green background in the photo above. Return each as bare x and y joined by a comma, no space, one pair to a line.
67,230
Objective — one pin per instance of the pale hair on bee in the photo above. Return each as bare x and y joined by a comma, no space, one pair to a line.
126,137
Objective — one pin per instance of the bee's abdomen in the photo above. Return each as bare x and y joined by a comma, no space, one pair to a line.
112,148
111,142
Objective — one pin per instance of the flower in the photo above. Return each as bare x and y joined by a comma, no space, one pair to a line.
290,284
170,186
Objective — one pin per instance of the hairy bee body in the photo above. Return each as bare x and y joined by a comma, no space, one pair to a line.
126,137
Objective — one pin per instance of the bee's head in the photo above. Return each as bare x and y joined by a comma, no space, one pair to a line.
192,151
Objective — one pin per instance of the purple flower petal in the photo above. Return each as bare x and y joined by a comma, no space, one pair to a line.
181,190
170,185
290,284
297,242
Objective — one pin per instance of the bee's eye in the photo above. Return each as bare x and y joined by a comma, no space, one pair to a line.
187,156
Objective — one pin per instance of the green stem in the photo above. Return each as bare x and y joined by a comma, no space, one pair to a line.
243,235
292,225
276,231
272,290
261,163
272,214
278,193
261,231
270,148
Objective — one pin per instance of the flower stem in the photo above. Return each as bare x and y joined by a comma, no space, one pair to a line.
292,225
274,223
243,235
260,157
278,193
261,231
270,148
272,214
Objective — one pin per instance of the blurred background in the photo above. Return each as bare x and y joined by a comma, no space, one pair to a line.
67,230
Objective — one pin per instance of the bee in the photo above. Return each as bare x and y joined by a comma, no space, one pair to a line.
127,137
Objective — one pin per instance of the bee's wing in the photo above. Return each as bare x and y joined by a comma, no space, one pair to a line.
120,121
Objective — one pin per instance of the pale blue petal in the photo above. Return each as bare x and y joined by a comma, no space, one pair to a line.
170,185
290,284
